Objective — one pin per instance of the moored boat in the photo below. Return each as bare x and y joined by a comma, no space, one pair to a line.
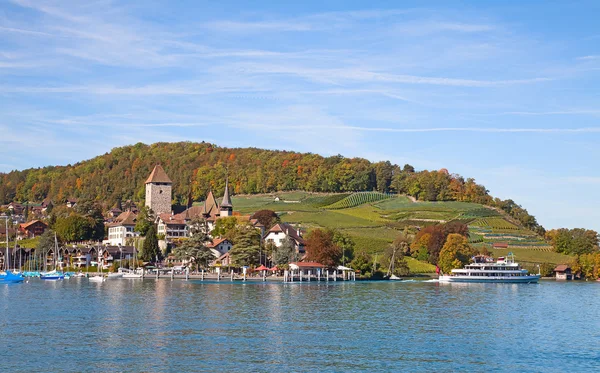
9,276
485,269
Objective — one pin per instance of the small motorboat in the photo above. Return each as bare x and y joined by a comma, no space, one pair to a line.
114,275
97,278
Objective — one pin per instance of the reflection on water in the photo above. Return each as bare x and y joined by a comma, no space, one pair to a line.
161,326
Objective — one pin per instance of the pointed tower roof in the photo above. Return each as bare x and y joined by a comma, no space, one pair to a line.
226,202
210,207
158,175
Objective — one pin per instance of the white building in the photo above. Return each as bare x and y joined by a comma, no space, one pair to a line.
122,229
281,231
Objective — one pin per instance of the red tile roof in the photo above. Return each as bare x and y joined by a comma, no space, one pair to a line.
124,218
561,268
288,230
158,175
309,264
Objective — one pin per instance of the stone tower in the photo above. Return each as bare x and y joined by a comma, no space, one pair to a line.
158,191
226,206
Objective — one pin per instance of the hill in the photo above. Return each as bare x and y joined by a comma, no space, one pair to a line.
196,168
376,222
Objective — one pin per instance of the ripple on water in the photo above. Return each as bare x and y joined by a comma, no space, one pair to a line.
167,325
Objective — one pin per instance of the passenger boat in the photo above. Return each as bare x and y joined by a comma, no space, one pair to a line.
484,269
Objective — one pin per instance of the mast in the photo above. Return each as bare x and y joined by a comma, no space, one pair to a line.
7,258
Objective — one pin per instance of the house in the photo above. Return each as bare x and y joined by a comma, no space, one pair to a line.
563,272
281,231
172,226
222,261
108,254
122,229
71,202
32,229
220,246
15,208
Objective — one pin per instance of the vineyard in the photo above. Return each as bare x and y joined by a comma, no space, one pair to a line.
357,199
494,223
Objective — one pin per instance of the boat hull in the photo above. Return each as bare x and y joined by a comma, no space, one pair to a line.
495,280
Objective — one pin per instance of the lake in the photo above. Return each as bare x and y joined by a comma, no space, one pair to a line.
176,326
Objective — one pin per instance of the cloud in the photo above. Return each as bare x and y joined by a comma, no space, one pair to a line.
558,112
588,58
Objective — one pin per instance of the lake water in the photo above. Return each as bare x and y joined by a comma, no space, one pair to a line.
177,326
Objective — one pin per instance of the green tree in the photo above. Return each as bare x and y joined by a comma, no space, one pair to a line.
363,262
150,249
194,250
346,244
93,211
144,220
285,253
394,257
75,228
246,247
225,227
455,253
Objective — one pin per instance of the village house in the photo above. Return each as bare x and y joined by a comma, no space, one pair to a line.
71,202
279,232
32,229
220,246
108,254
563,272
122,229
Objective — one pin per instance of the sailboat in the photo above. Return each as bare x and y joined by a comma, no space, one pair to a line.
98,278
54,274
131,273
390,274
9,276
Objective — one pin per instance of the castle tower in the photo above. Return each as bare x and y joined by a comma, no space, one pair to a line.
158,191
226,206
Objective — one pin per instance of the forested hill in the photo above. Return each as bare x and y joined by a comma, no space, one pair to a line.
197,167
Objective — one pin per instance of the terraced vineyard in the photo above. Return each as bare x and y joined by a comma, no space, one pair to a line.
374,219
494,223
357,199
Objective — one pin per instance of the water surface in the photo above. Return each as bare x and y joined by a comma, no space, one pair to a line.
175,326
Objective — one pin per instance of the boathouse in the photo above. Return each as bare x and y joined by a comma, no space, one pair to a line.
563,272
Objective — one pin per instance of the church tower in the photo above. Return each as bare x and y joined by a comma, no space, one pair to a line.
226,206
158,191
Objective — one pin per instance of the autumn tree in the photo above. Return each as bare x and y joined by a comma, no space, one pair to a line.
455,253
225,227
268,218
321,248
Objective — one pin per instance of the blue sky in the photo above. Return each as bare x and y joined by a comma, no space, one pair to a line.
505,92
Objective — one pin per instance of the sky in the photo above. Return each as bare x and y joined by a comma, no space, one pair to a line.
506,92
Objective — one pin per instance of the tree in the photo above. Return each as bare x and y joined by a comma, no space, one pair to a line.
455,253
75,228
246,247
363,262
419,248
93,211
268,218
285,253
225,227
150,250
194,250
346,244
46,243
144,221
395,260
321,248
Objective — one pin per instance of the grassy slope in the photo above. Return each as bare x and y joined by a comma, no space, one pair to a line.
373,226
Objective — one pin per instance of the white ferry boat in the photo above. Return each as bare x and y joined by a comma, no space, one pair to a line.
484,269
